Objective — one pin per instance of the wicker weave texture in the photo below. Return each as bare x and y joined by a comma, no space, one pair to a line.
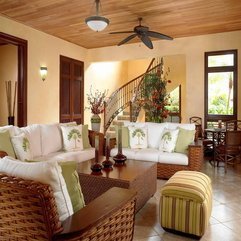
195,160
145,185
28,210
117,227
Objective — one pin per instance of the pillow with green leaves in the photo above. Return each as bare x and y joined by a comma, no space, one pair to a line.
71,177
184,139
168,140
138,137
22,147
72,137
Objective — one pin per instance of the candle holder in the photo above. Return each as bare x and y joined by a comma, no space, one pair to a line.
119,158
96,167
107,164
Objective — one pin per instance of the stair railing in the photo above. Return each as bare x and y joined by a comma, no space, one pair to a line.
123,97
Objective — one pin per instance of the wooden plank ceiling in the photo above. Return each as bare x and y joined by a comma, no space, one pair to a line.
177,18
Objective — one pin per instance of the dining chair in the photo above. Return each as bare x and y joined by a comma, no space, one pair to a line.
207,142
230,150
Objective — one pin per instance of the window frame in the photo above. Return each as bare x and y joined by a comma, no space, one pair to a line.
234,69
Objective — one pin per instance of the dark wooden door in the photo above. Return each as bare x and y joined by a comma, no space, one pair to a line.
71,90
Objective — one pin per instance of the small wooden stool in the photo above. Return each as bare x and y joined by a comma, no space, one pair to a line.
186,203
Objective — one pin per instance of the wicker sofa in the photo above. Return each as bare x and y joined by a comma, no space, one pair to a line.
167,163
46,142
28,212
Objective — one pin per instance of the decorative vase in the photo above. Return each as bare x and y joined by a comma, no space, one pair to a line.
95,122
119,158
11,120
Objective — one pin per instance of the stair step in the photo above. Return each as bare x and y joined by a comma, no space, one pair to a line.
123,117
112,128
117,122
111,134
126,112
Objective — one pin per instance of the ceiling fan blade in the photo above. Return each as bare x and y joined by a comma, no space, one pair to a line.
146,40
127,39
158,35
122,32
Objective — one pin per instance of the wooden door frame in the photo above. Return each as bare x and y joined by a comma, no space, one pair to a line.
22,75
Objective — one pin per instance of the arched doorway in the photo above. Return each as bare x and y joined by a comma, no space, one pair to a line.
22,75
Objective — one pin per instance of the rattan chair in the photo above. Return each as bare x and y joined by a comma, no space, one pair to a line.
207,142
28,212
230,150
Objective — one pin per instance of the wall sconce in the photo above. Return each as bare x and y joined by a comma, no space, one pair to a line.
43,72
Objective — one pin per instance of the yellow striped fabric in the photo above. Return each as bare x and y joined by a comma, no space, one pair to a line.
186,202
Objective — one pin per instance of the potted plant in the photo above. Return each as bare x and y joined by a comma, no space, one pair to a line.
96,105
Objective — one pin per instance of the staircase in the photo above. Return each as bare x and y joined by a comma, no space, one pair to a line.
123,105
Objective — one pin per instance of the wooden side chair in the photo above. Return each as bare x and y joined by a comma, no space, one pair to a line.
207,143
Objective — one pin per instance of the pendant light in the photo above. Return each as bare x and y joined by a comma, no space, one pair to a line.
96,22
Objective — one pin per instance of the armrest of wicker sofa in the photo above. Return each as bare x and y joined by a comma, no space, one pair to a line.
92,135
195,162
110,215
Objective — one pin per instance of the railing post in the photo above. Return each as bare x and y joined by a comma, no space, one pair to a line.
131,111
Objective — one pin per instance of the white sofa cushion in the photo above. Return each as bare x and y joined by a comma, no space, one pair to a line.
148,154
78,156
44,172
13,130
154,133
173,158
34,137
22,147
72,137
168,140
128,152
51,138
186,126
138,137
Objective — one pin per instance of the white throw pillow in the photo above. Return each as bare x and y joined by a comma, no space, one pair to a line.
51,138
168,140
22,147
72,137
44,172
138,137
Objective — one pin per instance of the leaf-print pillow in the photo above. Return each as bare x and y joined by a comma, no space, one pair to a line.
21,146
138,137
168,140
72,138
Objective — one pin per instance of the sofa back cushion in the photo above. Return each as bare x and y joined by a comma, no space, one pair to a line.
45,172
51,138
186,126
5,143
33,134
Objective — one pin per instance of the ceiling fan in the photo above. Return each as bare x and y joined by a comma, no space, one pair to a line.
144,34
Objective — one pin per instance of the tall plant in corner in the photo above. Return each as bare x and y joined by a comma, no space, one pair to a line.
154,95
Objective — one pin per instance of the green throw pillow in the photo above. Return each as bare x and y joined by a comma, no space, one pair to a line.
71,178
125,136
5,143
85,137
185,138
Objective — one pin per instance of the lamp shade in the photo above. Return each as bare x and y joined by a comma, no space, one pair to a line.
97,23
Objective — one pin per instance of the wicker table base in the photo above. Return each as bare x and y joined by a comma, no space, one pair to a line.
138,175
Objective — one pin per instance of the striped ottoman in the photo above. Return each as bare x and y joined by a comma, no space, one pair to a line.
186,203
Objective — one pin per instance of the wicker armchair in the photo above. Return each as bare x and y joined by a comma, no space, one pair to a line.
28,212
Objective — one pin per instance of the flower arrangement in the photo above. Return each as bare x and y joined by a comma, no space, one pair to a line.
155,98
96,101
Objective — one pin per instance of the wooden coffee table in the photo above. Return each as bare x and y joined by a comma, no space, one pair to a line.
138,175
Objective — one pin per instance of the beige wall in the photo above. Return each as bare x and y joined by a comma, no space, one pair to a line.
43,49
193,48
8,71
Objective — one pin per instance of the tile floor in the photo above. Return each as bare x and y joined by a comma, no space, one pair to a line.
225,221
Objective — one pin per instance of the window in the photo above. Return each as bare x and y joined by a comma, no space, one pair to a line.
220,86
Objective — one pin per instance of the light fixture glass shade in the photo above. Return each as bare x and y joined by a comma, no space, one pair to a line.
43,72
97,23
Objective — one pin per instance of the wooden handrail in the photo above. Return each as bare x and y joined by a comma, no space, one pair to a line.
125,96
